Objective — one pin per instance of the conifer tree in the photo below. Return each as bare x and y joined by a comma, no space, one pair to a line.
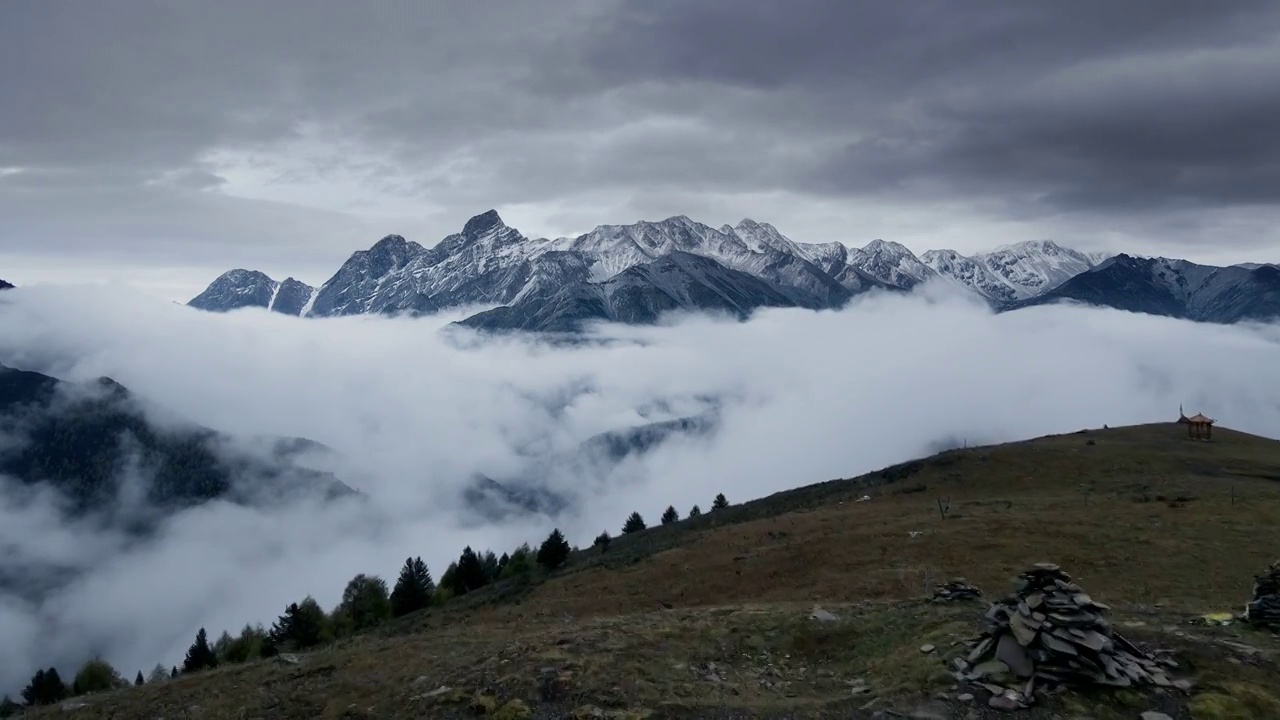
269,648
634,523
602,541
32,693
246,646
221,645
670,515
470,574
449,580
695,511
139,680
489,562
173,672
413,589
159,673
521,563
554,551
46,687
302,626
720,502
199,656
9,708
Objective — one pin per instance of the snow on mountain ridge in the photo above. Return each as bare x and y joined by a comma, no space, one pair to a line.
1013,272
640,294
891,262
763,252
490,262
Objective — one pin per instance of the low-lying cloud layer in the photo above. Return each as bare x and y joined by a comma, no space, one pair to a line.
414,411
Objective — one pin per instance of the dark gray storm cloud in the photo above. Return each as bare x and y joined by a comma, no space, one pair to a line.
1093,106
244,133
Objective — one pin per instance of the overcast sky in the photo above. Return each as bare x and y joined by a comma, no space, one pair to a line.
159,143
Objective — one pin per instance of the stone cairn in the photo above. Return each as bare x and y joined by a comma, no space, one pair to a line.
1264,610
955,590
1051,635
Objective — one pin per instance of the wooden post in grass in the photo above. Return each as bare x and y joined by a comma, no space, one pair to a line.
943,509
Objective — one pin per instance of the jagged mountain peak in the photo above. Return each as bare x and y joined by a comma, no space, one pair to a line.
891,262
763,237
1044,246
242,288
887,246
237,289
393,243
5,286
243,275
484,222
683,220
943,254
1014,272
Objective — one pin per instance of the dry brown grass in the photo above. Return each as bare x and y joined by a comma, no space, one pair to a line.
1161,528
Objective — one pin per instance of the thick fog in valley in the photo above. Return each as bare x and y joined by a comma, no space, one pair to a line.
413,409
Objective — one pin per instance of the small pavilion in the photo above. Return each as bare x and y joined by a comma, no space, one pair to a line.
1200,427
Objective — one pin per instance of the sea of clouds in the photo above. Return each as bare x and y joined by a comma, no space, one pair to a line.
413,408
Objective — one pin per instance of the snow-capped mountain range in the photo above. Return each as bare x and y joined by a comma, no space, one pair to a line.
634,273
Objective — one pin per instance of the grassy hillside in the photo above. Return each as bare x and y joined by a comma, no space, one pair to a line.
709,617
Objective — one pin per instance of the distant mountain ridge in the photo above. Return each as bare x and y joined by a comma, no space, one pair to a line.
5,286
638,295
1175,288
635,273
1012,272
237,289
87,440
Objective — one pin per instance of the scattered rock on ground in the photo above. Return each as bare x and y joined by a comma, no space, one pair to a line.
1264,609
957,589
931,711
514,710
821,615
484,704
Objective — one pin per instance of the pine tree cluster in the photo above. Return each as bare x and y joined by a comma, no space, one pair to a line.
635,521
366,603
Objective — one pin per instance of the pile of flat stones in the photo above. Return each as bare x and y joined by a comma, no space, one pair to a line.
1264,610
1050,635
955,590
